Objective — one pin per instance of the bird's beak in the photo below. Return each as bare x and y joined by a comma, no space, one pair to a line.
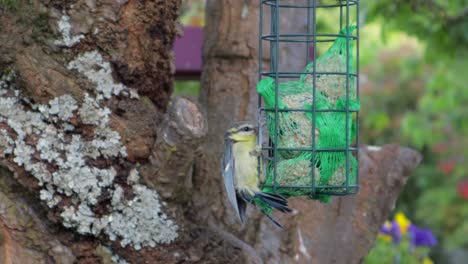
227,136
256,129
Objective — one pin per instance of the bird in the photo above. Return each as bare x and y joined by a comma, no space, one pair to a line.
243,174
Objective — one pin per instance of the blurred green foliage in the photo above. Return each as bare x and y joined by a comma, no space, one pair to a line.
400,241
190,88
192,13
427,108
442,24
385,252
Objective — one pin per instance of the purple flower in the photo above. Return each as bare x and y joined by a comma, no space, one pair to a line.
420,237
392,230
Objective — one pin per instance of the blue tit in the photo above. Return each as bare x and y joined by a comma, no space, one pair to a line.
242,173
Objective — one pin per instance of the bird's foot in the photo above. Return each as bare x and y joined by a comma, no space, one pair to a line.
257,151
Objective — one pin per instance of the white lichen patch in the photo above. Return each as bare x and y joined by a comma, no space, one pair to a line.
106,143
85,182
40,171
49,198
114,257
62,107
6,143
51,145
97,70
92,113
64,27
118,260
137,221
134,177
117,198
23,153
83,219
6,81
47,147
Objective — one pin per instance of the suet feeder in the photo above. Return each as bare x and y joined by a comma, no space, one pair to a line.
310,115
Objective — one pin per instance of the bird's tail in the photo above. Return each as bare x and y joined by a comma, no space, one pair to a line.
276,201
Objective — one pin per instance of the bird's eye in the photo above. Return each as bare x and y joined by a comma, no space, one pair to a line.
246,129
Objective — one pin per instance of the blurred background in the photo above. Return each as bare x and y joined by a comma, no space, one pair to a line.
414,71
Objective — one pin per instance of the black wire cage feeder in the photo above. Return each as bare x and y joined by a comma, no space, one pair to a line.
308,117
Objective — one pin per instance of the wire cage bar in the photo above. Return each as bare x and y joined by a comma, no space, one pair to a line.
319,99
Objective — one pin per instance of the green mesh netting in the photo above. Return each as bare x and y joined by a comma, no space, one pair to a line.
333,86
294,168
292,126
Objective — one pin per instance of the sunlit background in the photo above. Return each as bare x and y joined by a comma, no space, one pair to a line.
414,73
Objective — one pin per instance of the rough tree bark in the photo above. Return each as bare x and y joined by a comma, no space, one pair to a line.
67,70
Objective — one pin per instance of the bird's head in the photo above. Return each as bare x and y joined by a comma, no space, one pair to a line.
242,132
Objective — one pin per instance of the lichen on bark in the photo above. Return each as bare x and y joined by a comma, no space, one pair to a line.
58,160
68,166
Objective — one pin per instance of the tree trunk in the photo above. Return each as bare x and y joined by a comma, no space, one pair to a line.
86,123
98,164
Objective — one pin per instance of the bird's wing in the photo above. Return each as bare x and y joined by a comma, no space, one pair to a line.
242,207
229,174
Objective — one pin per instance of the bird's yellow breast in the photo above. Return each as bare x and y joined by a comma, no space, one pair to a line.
246,167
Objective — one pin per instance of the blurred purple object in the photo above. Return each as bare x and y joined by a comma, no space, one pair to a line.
420,237
393,231
188,53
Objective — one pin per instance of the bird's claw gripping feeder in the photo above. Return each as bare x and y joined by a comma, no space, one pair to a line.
311,115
